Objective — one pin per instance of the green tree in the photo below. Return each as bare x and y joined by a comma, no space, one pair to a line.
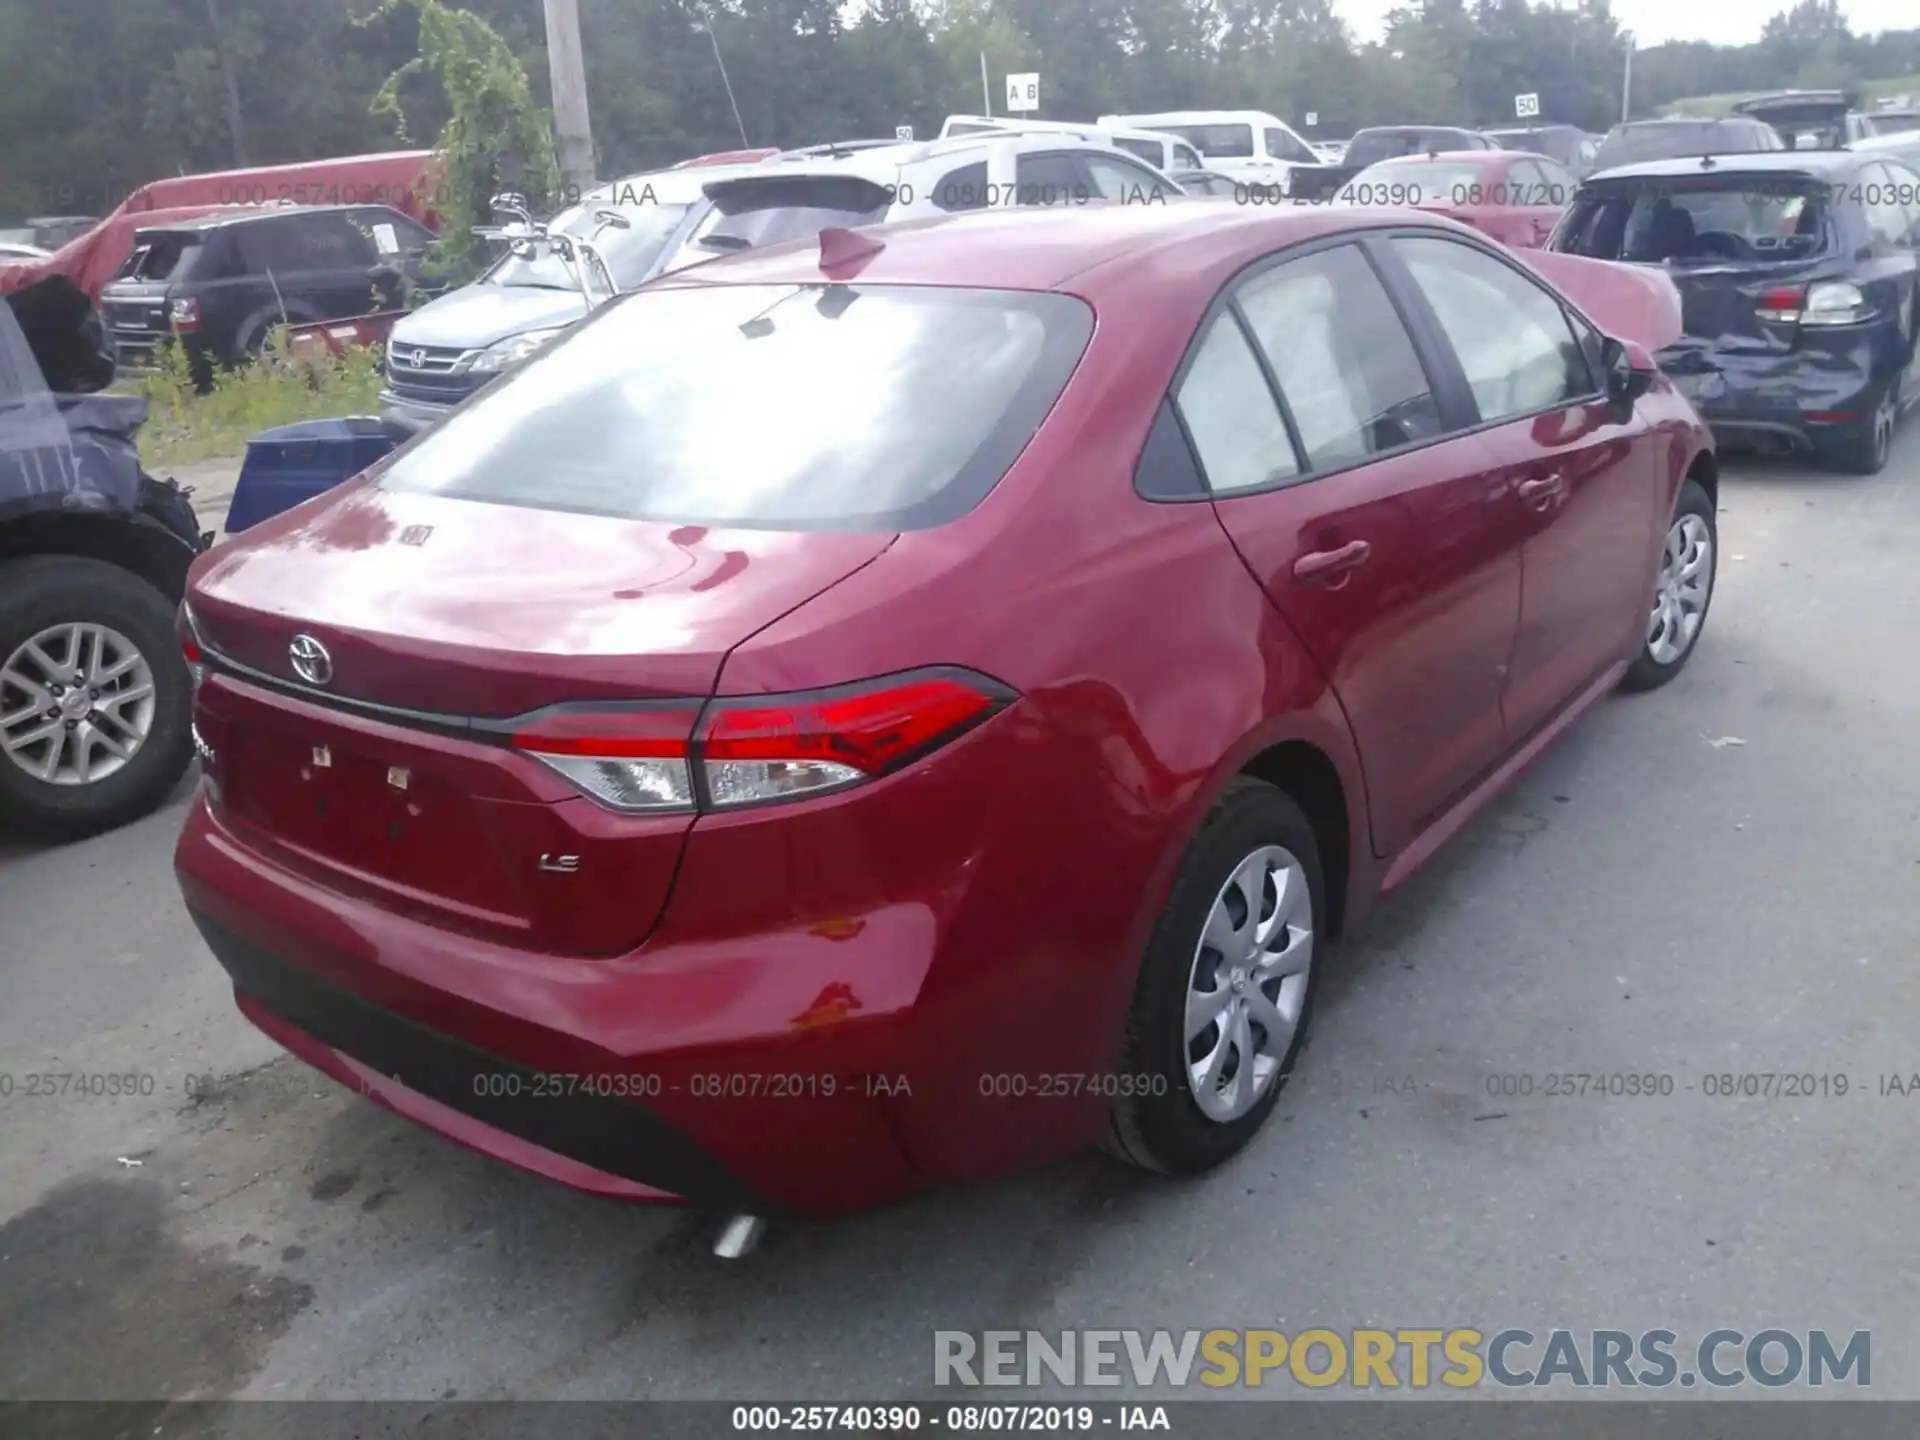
495,138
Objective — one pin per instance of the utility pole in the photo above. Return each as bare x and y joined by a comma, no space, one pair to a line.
567,64
1626,82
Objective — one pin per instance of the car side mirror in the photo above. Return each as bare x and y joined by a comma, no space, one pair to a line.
1626,382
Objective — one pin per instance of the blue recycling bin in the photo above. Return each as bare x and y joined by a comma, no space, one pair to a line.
292,463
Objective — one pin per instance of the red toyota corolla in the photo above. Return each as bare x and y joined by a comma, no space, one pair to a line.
892,710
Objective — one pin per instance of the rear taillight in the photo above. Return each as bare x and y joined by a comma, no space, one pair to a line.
1835,302
1782,304
629,758
749,751
184,314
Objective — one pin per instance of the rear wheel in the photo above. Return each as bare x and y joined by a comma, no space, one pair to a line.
1224,999
95,699
1685,591
1867,451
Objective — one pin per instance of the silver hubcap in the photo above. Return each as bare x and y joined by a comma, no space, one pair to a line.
1686,580
1249,983
76,703
1884,419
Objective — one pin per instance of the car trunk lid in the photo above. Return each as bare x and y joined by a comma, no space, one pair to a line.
385,767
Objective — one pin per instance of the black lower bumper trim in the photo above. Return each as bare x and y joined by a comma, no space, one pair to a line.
605,1132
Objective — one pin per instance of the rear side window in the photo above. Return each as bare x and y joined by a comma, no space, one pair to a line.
1885,200
1185,157
962,189
1350,374
1147,150
304,242
1513,340
1746,218
168,255
1229,412
1218,142
781,407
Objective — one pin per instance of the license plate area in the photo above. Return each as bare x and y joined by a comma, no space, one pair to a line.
393,823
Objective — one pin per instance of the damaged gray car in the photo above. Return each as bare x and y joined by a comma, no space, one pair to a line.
1797,272
95,692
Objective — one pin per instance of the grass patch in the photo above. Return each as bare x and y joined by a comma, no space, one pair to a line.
184,425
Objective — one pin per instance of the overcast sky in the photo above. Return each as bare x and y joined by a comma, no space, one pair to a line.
1725,22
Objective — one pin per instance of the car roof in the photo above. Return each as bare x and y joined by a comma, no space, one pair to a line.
1656,122
1819,163
1192,117
1476,157
1093,251
241,215
883,163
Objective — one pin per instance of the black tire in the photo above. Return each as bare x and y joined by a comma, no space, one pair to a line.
1648,672
1167,1132
46,590
1867,451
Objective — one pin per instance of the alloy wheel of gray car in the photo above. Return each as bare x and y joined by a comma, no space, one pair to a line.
1686,585
77,702
1248,985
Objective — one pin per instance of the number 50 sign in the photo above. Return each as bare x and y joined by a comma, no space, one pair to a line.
1023,92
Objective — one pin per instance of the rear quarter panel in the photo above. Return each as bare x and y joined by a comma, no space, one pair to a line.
1152,668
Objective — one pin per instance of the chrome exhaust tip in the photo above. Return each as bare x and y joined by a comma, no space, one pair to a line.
740,1238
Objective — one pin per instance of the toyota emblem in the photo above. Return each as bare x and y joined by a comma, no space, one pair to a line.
311,662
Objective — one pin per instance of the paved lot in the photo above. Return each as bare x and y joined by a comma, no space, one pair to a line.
1644,901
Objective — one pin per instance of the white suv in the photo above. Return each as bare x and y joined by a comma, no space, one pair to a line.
1250,146
795,196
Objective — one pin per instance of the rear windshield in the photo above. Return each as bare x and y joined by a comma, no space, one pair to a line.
1539,142
630,253
786,407
1373,146
161,255
1674,141
1216,142
747,216
1419,182
1733,219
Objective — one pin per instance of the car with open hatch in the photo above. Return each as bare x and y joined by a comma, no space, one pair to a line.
1798,271
703,768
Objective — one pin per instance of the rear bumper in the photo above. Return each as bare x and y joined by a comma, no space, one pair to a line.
911,990
1807,398
593,1141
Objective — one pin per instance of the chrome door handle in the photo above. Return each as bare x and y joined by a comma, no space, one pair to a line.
1321,565
1544,487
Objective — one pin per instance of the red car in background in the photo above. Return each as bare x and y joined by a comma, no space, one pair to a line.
791,816
401,179
1511,195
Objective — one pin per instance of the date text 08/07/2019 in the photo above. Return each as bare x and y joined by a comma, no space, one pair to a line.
958,1419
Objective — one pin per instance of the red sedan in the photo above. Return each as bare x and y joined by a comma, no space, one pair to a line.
1512,195
891,710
